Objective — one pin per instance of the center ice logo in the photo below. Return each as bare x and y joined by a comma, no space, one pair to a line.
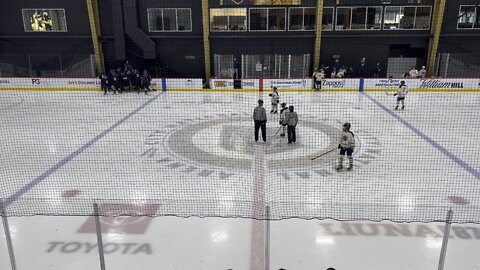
223,145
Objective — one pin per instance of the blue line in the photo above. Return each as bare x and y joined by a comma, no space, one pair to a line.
73,155
436,145
164,85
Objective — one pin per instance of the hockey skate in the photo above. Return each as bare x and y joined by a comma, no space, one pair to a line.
350,167
396,108
339,168
403,108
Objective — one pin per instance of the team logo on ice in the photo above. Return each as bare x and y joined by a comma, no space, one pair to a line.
222,145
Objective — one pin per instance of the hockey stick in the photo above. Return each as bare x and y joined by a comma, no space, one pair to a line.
323,154
278,130
388,94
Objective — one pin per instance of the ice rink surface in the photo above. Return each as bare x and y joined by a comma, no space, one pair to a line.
193,154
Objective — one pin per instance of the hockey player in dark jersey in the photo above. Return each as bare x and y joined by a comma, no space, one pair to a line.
104,82
146,80
112,81
136,80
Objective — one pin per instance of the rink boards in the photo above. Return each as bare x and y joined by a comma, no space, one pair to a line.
252,85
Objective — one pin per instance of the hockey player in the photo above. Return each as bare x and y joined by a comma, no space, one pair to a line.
318,77
275,100
146,80
136,80
401,93
104,82
346,146
283,118
292,121
113,80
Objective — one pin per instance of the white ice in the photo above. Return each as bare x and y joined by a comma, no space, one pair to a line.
397,175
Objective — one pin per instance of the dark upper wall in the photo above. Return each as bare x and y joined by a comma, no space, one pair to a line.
106,16
178,54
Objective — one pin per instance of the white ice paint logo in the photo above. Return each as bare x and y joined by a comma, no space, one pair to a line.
222,145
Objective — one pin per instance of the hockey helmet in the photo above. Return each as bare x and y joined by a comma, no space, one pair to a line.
347,126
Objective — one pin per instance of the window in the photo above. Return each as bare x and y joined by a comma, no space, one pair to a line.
422,18
276,19
309,15
343,19
44,20
374,18
184,20
169,19
466,17
258,19
228,19
407,18
477,21
296,19
267,19
359,18
302,19
327,19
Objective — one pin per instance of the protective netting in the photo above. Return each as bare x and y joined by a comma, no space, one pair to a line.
193,154
166,133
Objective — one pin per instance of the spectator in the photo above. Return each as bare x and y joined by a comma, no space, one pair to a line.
341,72
361,69
336,64
328,72
236,68
413,73
422,73
349,73
127,66
377,70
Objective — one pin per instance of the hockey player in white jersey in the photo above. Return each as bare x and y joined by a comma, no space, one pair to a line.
346,146
275,100
401,94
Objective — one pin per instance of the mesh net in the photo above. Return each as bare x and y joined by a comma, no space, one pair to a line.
156,137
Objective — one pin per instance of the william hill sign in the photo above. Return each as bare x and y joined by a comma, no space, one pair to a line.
442,84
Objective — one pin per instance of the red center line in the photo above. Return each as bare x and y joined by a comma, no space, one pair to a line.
257,251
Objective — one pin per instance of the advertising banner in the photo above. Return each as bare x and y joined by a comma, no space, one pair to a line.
183,83
423,84
340,84
287,83
246,84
